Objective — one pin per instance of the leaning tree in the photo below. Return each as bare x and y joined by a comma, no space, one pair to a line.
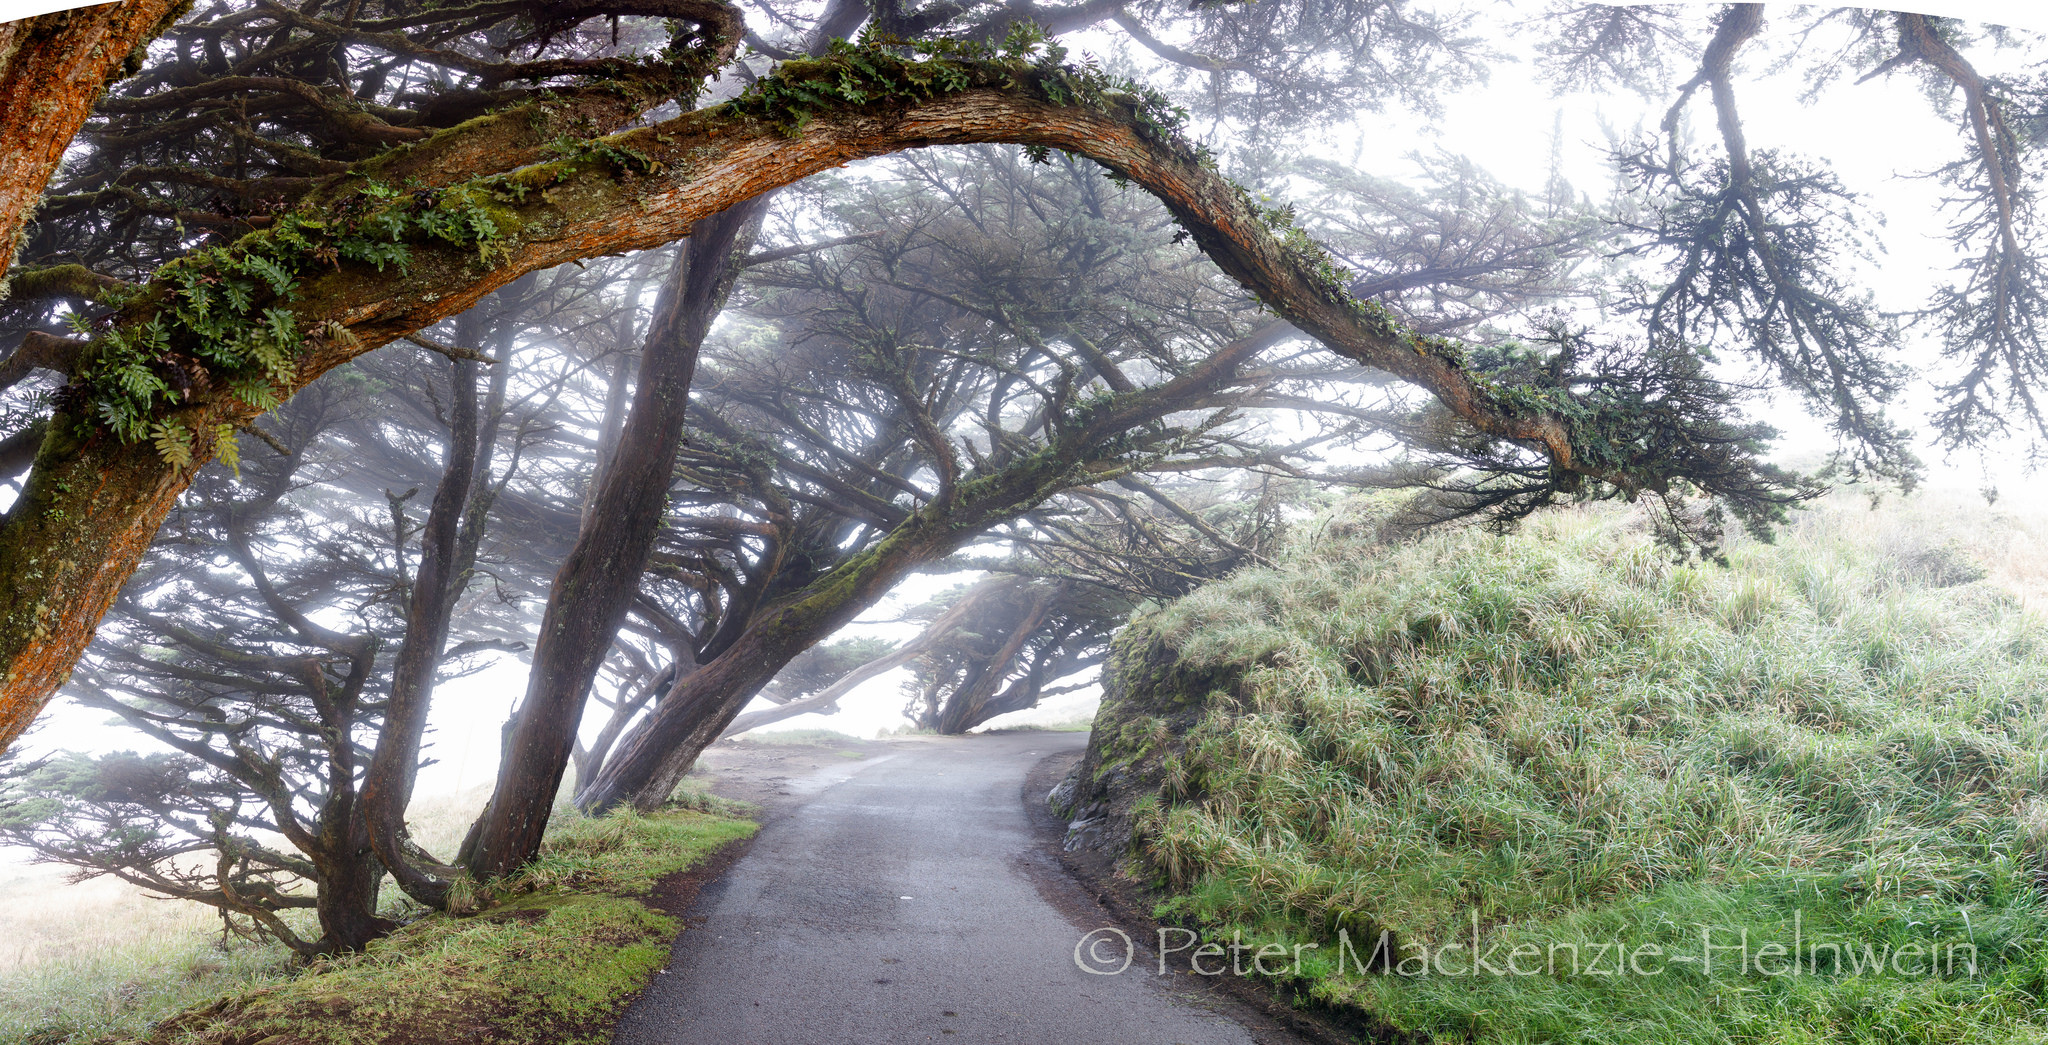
1058,583
282,189
884,403
453,148
262,642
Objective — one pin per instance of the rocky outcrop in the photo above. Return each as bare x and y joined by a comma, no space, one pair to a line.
1151,700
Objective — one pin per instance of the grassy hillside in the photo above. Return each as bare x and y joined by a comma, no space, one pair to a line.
1565,742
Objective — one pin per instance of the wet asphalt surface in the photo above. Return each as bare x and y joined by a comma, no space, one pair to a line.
907,898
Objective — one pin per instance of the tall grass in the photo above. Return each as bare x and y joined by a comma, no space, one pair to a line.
101,957
1563,738
104,958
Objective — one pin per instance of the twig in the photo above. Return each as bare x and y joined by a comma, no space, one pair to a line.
451,351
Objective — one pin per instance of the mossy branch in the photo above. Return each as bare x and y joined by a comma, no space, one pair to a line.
221,335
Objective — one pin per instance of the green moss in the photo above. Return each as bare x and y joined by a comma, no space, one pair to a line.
222,316
880,69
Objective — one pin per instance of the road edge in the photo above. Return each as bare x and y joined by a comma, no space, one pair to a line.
1130,905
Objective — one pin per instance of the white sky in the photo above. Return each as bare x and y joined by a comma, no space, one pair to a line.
1877,135
2023,13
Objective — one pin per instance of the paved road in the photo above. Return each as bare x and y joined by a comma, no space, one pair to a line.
906,899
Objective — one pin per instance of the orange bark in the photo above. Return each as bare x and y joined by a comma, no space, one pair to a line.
52,69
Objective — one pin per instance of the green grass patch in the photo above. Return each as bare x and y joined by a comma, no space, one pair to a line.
694,792
1072,725
905,730
1563,739
800,738
103,959
553,959
106,988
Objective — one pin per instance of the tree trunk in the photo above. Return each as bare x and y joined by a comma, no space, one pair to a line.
709,267
387,788
347,902
591,594
653,758
963,710
1017,696
52,69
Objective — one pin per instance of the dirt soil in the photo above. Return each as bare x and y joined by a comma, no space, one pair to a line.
761,773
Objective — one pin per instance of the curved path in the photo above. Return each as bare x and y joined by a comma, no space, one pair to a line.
908,898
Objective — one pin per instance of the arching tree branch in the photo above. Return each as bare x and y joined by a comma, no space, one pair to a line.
92,502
